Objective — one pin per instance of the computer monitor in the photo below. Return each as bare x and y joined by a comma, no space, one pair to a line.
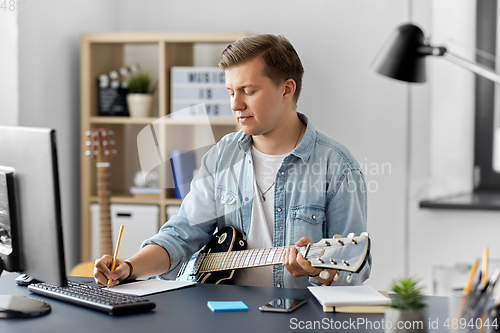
31,238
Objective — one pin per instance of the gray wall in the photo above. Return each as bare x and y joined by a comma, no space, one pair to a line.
49,88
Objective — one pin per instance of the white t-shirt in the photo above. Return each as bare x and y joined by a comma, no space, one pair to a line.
261,232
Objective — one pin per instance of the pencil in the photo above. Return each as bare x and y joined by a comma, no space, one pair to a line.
116,254
484,276
466,290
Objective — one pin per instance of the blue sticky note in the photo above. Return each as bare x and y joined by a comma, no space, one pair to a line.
227,306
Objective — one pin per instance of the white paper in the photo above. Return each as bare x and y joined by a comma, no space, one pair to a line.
148,287
348,295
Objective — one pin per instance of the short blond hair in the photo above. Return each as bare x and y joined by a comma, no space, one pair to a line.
281,61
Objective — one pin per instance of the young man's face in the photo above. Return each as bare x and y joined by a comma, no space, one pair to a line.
257,103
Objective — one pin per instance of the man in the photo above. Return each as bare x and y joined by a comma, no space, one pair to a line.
279,181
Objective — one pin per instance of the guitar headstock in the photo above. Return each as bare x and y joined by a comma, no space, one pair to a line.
100,145
343,254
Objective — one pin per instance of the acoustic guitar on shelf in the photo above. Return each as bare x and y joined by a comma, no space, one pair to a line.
225,253
100,147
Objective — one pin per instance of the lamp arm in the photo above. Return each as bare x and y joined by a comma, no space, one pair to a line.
473,67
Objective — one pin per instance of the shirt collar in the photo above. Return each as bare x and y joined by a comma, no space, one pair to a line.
303,149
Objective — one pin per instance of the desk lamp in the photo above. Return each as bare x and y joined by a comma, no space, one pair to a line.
403,57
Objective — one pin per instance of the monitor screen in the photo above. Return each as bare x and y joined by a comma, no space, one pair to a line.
31,238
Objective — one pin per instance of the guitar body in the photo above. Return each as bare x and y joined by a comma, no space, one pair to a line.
225,240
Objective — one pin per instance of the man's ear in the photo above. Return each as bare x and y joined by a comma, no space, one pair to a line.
289,90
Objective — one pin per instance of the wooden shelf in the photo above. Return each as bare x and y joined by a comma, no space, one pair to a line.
165,121
106,52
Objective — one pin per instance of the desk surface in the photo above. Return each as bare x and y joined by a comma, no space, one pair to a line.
186,310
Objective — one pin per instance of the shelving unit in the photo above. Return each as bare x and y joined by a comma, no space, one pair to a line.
156,53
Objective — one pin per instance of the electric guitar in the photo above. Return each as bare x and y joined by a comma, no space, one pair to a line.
100,149
225,253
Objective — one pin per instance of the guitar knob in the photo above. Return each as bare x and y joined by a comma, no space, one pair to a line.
337,236
324,274
336,277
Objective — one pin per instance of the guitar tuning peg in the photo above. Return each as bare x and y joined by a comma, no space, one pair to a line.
105,143
87,153
112,142
114,151
337,236
365,234
111,133
351,235
336,277
88,133
96,152
88,143
103,133
106,152
349,277
95,133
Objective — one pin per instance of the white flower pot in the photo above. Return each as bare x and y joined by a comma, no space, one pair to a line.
139,105
397,320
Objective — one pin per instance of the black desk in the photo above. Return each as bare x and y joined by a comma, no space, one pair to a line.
186,310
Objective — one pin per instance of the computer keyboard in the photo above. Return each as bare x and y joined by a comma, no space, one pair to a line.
95,298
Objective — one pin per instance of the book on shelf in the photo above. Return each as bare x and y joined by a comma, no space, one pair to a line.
145,192
183,166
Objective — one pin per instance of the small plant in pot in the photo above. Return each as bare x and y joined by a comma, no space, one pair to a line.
407,312
140,94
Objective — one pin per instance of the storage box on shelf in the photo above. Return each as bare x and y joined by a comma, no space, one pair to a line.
156,53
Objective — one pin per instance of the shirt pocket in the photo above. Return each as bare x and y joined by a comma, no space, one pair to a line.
227,207
308,221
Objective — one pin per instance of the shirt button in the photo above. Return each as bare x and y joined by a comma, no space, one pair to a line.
246,198
279,209
278,285
282,173
314,217
222,198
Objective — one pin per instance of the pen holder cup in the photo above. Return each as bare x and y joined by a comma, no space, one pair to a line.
457,304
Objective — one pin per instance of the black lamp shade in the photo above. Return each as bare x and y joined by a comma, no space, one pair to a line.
400,59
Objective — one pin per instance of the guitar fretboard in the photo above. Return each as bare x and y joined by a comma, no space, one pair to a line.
104,193
240,259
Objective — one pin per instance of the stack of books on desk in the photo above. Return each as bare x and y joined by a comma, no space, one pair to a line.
351,299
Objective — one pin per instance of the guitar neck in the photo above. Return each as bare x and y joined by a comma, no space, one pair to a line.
222,261
104,197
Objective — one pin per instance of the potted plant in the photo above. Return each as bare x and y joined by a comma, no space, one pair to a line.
140,94
407,311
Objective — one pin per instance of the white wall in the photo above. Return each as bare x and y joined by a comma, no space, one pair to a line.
9,66
49,83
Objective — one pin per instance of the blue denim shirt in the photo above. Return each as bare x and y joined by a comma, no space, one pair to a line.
319,192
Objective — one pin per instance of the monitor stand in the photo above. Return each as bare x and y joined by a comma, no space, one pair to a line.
12,307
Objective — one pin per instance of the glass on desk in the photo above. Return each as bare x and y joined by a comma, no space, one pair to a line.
466,313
